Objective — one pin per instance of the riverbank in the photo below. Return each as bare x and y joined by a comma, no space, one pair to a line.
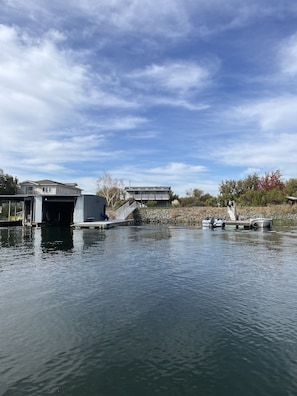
193,216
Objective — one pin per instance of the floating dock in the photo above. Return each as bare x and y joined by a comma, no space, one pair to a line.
251,224
243,224
102,224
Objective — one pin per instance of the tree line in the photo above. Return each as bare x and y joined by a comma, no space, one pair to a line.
253,190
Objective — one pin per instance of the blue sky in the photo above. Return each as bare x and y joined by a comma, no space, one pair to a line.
175,93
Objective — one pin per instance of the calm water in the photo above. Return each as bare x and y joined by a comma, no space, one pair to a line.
148,311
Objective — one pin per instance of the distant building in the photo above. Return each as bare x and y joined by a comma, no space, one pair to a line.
53,203
161,195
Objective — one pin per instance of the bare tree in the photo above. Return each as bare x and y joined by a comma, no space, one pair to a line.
110,188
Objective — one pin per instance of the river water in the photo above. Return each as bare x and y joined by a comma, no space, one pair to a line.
148,311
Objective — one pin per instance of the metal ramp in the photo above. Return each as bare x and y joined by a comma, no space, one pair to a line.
232,211
125,210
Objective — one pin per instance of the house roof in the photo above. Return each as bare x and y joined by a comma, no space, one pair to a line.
148,188
47,182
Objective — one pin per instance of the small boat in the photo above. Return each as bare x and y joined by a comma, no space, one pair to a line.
211,222
261,222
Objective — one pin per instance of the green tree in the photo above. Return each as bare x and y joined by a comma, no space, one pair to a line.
230,190
208,200
291,187
192,198
8,184
274,196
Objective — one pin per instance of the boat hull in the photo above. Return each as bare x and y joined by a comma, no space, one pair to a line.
261,222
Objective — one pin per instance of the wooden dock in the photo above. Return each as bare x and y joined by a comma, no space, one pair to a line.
243,224
102,224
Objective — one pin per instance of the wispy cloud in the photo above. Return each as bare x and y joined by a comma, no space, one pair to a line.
274,152
277,113
165,21
288,56
174,84
40,86
181,77
175,169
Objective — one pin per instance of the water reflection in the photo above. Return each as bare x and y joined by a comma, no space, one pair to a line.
149,232
50,239
15,236
56,238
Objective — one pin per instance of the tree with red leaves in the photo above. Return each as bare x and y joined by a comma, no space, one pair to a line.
271,181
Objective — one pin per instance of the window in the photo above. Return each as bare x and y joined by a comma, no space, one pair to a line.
46,189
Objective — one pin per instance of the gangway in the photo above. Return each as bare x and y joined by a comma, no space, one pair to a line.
125,210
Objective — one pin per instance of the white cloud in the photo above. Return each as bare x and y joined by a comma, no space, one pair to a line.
40,86
88,183
165,19
276,151
180,77
276,113
43,86
44,95
175,84
177,169
288,56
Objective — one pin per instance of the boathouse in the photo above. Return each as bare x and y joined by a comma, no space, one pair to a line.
47,202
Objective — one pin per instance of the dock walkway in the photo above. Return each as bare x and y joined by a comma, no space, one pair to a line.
245,224
102,224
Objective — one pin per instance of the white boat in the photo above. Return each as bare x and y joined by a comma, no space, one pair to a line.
213,223
261,222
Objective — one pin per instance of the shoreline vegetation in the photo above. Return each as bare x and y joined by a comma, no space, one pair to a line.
284,214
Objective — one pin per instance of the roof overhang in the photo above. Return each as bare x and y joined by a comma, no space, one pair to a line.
14,197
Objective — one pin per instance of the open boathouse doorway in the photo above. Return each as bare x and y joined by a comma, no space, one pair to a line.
58,211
